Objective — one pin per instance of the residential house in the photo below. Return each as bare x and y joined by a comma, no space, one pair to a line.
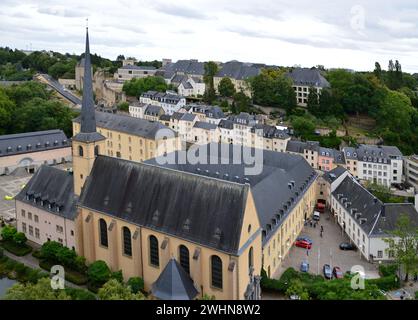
411,171
129,72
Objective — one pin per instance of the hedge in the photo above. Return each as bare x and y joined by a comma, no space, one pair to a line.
80,294
387,283
388,269
70,275
16,249
13,269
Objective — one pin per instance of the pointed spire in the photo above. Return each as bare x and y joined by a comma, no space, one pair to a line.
88,121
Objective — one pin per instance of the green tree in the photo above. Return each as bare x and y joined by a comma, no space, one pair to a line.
136,284
226,88
117,275
241,102
211,68
115,290
313,103
138,86
98,273
272,88
123,106
8,233
403,245
20,238
40,291
296,288
304,127
377,71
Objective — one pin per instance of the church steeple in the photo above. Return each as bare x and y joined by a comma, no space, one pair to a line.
87,142
88,120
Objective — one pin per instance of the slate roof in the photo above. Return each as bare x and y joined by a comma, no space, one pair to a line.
238,70
165,117
174,283
226,124
205,125
152,110
361,200
270,131
53,186
135,67
190,67
88,131
188,117
339,157
308,77
334,174
381,154
203,210
379,218
135,126
295,146
21,143
387,220
270,189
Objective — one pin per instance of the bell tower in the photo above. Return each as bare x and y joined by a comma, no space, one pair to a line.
88,143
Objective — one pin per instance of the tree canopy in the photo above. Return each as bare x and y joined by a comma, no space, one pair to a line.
137,86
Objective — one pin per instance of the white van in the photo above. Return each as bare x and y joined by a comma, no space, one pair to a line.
316,216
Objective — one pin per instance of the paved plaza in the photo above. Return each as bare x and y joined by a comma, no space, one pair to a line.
326,250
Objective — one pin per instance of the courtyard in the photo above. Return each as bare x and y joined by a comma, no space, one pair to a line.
325,250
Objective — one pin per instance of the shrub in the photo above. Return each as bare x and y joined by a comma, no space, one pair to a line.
36,254
19,238
8,232
70,275
80,294
98,273
117,275
388,270
55,252
386,283
16,249
136,284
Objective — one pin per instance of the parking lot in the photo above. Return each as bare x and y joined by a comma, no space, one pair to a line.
325,250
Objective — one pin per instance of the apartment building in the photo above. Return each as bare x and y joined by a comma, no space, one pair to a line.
30,150
46,207
169,101
411,171
366,220
129,72
303,80
190,86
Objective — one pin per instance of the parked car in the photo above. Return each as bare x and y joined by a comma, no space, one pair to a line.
316,216
347,246
327,271
338,274
304,266
303,244
304,238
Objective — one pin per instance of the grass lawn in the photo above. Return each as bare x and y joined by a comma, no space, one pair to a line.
18,250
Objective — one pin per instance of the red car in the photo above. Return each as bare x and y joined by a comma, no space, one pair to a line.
303,244
338,274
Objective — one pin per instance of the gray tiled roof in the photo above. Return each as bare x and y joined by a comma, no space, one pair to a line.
270,131
152,110
127,124
308,77
53,186
205,125
168,201
21,143
372,153
238,70
226,124
135,67
361,200
270,189
296,146
174,283
380,218
334,174
190,67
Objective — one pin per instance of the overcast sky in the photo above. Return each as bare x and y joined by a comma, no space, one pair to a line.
337,33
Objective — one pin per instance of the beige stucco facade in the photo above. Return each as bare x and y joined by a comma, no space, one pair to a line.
132,147
39,225
32,160
235,268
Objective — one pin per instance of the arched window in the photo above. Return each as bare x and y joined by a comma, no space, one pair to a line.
127,242
103,233
153,251
184,258
216,266
250,259
96,150
80,151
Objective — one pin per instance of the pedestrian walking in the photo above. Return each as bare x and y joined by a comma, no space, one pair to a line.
314,225
322,228
311,223
307,252
321,234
